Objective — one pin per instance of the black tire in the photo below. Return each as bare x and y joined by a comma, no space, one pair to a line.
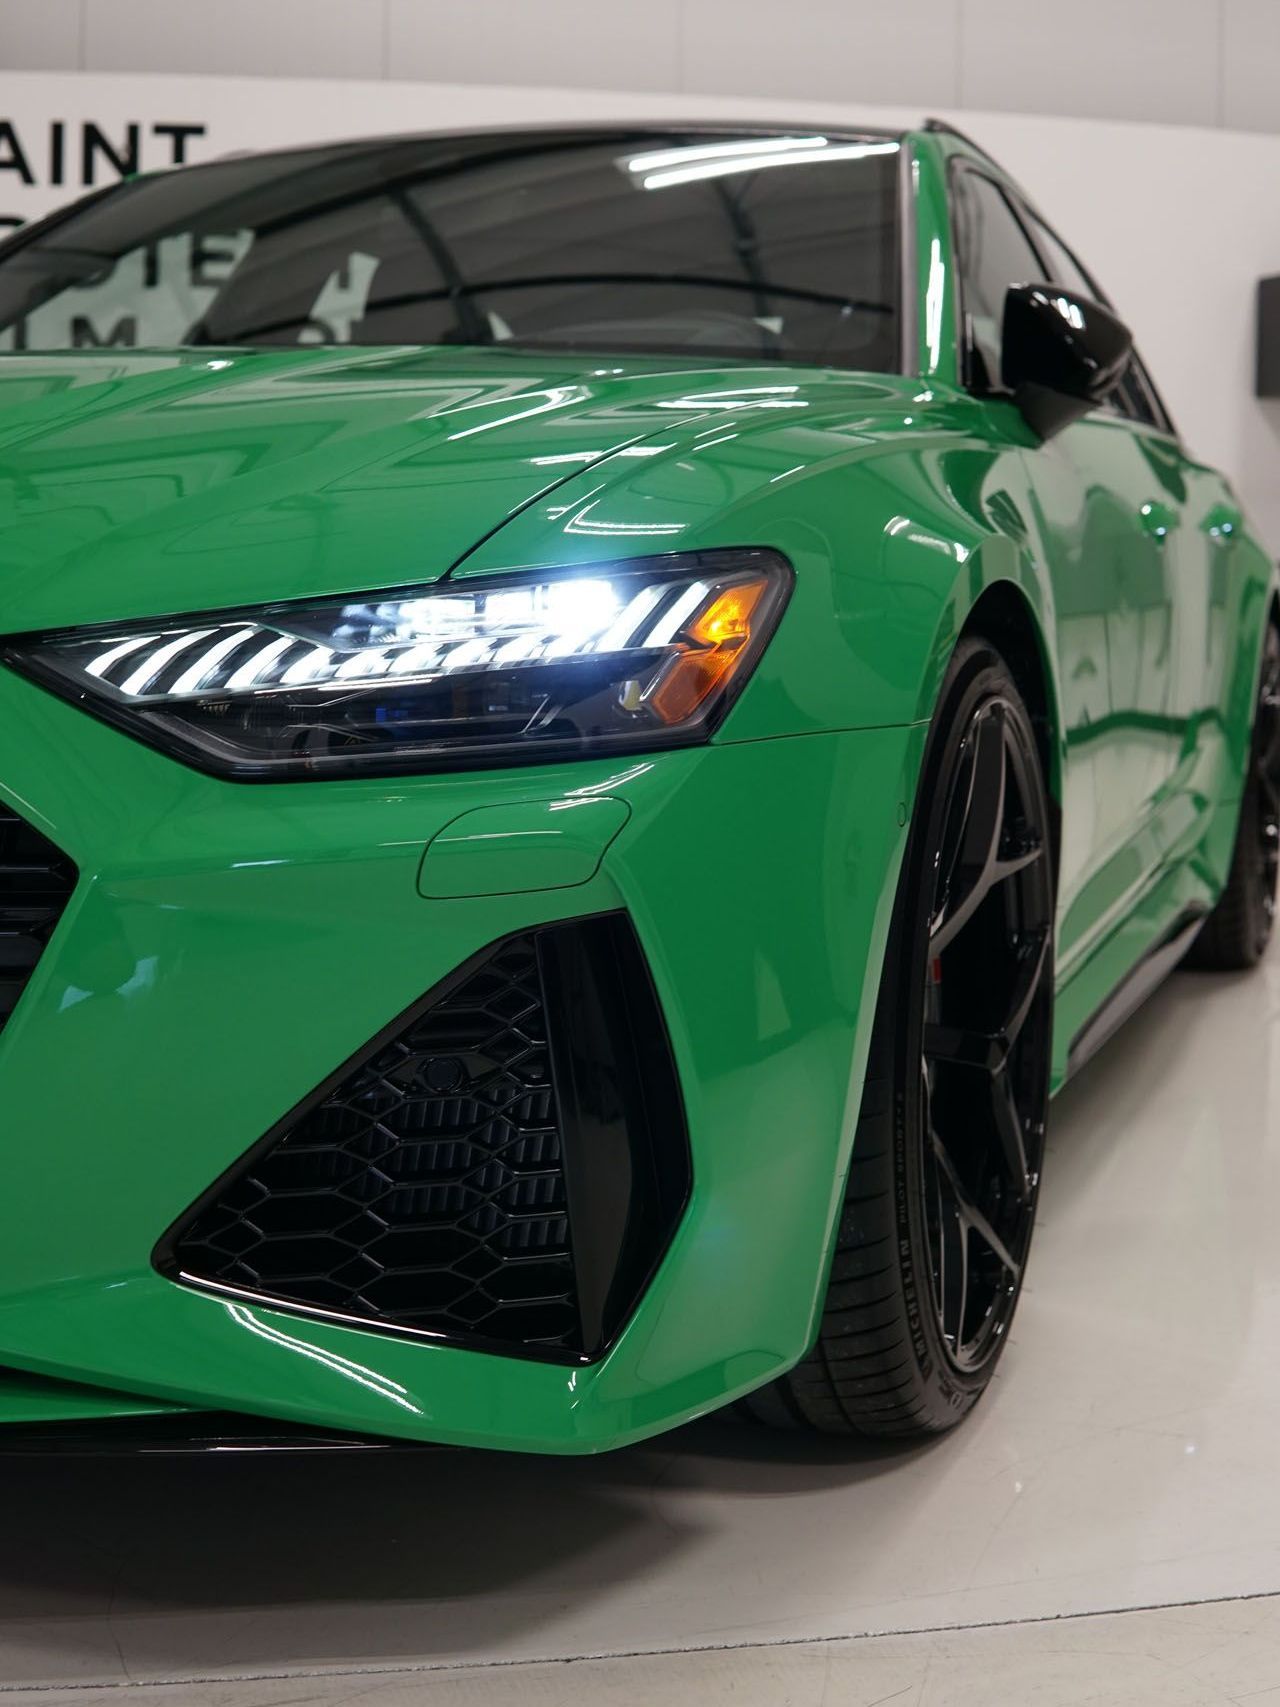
1235,935
885,1362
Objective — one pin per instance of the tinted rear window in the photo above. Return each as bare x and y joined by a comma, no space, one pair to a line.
777,246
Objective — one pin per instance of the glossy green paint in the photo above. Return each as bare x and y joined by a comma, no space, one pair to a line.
1154,600
30,1399
513,850
230,945
258,935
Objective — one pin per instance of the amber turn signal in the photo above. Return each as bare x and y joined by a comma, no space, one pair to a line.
715,643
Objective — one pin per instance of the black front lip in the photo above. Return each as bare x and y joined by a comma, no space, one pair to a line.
192,1433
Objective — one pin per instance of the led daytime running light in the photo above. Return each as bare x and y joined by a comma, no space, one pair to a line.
641,654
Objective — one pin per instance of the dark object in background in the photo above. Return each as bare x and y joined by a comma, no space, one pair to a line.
1267,381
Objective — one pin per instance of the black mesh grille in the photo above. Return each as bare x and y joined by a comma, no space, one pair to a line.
426,1190
503,1167
36,880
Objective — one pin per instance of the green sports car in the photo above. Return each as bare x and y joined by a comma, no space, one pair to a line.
593,721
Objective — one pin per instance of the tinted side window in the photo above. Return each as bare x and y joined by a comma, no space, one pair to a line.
995,253
1133,398
1064,269
1151,409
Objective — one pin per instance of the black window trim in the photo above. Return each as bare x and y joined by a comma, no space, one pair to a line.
908,261
959,165
1026,216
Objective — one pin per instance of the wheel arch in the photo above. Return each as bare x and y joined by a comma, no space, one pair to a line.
1009,610
1003,615
1255,610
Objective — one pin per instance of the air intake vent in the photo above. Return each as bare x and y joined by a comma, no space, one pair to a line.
503,1168
36,881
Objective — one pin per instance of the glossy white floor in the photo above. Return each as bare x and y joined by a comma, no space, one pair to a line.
1124,1465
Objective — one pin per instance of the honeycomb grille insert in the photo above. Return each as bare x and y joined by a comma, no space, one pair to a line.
36,881
432,1188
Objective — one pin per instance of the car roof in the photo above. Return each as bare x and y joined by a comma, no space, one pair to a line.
584,130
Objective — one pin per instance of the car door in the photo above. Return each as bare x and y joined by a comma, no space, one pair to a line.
1104,522
1170,654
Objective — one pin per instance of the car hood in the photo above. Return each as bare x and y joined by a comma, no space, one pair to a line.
135,484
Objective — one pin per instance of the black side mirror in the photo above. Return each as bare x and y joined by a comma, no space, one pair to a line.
1061,354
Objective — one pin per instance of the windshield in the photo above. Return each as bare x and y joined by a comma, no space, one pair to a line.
776,246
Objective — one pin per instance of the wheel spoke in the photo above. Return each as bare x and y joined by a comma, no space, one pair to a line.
954,821
955,1302
978,852
940,1277
947,928
1009,1127
953,1241
1266,736
1026,989
987,1233
970,1215
988,1051
1012,864
982,1050
1269,710
977,856
985,821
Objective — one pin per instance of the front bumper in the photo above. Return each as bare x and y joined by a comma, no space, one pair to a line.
229,946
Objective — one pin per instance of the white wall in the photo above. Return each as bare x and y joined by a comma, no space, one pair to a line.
1178,223
1202,62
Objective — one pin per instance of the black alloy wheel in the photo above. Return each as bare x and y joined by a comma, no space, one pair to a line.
986,1039
941,1199
1237,932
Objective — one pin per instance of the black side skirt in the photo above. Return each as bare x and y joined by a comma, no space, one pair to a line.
1129,995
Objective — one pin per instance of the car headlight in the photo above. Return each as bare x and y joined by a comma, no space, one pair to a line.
501,670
